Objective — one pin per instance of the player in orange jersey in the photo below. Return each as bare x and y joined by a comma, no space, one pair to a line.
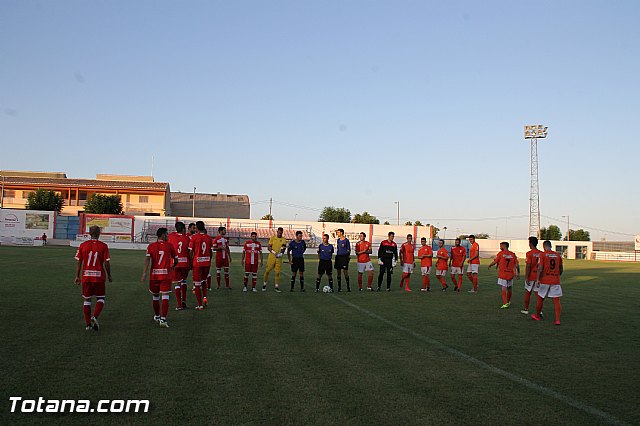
162,258
474,263
456,263
180,242
363,252
549,270
441,266
407,261
223,256
531,273
508,268
250,260
200,253
92,271
425,254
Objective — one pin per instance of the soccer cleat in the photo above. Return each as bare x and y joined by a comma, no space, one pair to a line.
264,288
317,290
277,290
408,289
244,289
524,312
254,290
164,323
378,289
156,318
557,322
472,291
95,324
179,308
444,289
423,289
199,308
184,305
302,290
535,317
227,287
88,327
505,306
388,289
205,302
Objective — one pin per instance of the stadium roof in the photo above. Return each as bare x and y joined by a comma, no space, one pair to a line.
90,183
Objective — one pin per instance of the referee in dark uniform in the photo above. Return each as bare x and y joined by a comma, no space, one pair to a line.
295,253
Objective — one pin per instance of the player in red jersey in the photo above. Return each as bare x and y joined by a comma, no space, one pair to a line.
531,273
441,265
549,270
363,252
425,254
407,260
456,263
163,258
180,242
250,260
223,256
200,251
508,268
474,263
93,270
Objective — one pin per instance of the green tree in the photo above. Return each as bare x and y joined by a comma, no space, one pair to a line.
45,199
551,233
578,235
386,222
266,217
463,236
408,223
417,223
365,217
103,204
482,236
333,214
435,231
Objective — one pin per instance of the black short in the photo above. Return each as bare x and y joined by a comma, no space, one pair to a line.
297,264
342,261
324,267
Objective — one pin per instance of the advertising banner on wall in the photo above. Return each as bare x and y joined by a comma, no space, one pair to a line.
25,227
111,225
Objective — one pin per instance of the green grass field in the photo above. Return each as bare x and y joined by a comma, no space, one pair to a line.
348,358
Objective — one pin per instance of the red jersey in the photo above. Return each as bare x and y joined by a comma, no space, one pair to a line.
162,255
441,265
180,242
551,263
426,261
220,244
507,261
200,246
533,257
251,249
473,252
363,246
92,254
458,255
407,251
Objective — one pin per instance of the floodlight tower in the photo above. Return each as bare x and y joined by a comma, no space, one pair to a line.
533,133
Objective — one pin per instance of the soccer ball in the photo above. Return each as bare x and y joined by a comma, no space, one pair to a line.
326,289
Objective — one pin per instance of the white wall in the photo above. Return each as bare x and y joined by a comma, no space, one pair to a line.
25,227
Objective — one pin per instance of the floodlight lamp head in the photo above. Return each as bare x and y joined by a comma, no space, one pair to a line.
536,131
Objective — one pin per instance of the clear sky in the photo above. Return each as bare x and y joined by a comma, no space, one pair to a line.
354,104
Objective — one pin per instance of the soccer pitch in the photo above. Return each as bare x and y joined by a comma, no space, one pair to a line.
347,358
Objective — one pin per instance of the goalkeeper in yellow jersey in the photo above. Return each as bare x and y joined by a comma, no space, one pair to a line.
277,246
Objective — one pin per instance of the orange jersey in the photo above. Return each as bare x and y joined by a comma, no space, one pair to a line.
428,260
507,261
363,246
533,257
407,250
551,263
473,252
180,243
458,255
441,265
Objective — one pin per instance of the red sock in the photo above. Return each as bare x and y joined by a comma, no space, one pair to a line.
453,281
407,281
424,281
402,279
459,281
226,279
504,296
527,299
369,281
184,292
254,278
443,281
246,280
558,306
209,282
539,305
218,279
178,292
86,309
360,281
99,306
204,290
199,294
165,306
156,305
475,282
509,292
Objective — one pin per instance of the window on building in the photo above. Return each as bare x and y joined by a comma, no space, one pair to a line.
9,193
143,198
25,194
82,195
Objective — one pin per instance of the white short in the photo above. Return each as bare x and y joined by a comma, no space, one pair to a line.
407,268
456,270
442,272
551,290
505,283
425,270
531,285
472,268
366,266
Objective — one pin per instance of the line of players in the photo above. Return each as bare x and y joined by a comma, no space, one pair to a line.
172,256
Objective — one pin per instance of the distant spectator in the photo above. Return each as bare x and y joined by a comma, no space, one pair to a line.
44,239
